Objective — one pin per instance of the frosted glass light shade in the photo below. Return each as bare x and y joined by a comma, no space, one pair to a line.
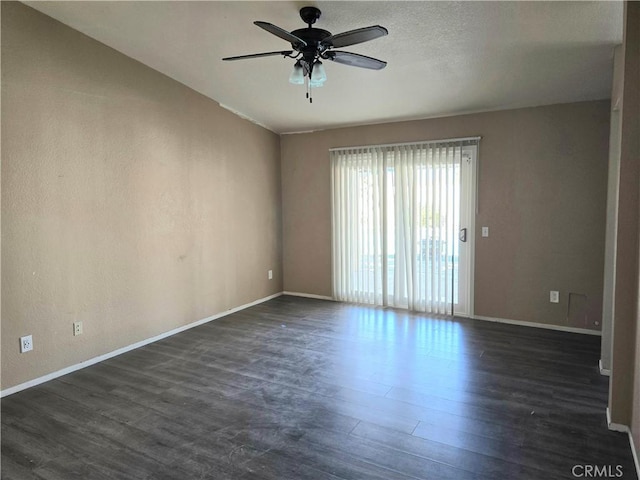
297,75
318,75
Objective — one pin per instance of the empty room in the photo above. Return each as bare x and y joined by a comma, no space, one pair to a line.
341,240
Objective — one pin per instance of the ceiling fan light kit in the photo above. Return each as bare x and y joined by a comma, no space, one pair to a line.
312,45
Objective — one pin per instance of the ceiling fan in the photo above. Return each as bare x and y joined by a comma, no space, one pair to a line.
311,45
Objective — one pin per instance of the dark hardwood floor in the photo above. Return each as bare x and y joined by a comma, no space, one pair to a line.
308,389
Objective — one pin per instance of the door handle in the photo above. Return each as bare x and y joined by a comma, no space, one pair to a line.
462,235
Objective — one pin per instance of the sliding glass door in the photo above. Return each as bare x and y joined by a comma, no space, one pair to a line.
403,225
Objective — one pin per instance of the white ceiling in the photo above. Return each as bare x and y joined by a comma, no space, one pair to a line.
444,58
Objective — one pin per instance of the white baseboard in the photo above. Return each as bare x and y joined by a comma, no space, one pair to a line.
603,371
618,427
128,348
635,454
547,326
309,295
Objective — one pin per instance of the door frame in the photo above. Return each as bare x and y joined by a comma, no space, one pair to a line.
468,196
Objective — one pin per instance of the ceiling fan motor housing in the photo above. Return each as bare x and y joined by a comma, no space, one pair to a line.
313,37
310,35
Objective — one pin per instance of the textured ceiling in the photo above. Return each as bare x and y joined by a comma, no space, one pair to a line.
444,58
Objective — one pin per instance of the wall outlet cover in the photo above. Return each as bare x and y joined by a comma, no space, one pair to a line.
554,296
26,344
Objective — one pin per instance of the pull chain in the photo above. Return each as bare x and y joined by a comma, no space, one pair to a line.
309,91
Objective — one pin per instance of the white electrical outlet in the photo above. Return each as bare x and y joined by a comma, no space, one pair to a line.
554,296
485,231
77,328
270,274
26,344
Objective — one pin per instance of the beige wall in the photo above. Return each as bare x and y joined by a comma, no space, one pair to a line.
542,193
129,201
631,153
624,391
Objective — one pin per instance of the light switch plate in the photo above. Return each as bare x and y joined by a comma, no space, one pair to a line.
485,231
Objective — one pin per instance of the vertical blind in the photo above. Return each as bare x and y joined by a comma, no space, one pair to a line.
395,221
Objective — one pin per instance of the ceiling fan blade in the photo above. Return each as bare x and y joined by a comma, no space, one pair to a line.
257,55
283,34
355,60
353,37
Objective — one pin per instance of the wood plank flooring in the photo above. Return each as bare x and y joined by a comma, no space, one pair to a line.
308,389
